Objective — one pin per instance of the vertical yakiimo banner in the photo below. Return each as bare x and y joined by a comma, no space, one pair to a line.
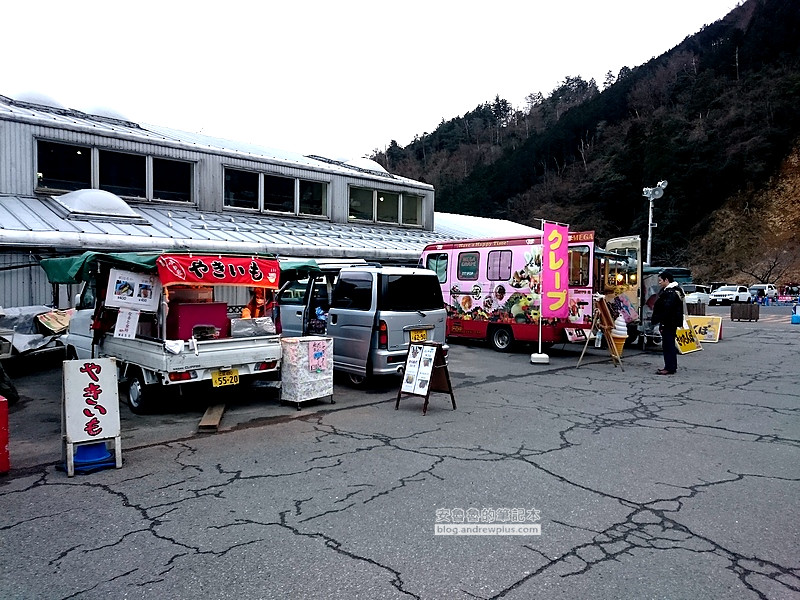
555,273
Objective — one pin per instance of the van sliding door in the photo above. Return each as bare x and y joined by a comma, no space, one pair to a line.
351,320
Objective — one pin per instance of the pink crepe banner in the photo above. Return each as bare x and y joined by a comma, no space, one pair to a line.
555,274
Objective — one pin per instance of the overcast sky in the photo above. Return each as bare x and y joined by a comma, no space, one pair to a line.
336,78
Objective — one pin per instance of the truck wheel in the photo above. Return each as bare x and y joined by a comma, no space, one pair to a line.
501,339
138,393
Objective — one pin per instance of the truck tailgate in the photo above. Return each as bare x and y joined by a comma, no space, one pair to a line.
210,354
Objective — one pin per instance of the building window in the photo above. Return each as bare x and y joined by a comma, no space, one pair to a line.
278,194
468,266
498,266
361,205
123,174
63,167
313,198
388,207
412,210
172,180
241,189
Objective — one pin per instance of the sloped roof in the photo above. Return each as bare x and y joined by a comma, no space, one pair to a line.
44,222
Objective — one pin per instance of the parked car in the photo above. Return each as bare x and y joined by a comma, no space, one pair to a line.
761,290
729,294
696,293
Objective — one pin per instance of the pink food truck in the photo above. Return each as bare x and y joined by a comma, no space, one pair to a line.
492,288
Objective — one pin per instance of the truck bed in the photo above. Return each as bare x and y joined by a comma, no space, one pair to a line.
241,353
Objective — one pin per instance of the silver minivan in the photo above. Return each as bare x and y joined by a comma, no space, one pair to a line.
372,313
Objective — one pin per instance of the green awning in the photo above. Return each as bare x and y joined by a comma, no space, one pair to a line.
75,269
293,269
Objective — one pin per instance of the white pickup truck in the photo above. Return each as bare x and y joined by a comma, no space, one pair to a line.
165,318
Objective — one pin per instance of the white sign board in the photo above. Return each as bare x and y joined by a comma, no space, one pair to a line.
127,322
419,367
91,401
136,291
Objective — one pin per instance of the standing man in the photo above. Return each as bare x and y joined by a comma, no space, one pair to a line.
668,314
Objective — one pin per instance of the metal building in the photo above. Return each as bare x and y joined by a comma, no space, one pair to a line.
72,181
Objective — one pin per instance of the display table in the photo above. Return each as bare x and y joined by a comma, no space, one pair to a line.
306,369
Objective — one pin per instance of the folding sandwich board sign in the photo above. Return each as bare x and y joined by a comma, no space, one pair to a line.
425,372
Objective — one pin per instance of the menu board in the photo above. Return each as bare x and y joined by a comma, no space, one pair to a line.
419,368
425,372
137,291
127,322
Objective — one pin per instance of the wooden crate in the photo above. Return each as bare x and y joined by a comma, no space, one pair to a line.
744,312
696,310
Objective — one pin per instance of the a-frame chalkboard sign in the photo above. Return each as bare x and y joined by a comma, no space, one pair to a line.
425,372
603,322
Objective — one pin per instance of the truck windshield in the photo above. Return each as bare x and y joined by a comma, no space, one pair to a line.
410,293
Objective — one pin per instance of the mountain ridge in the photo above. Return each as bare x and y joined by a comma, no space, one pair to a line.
715,116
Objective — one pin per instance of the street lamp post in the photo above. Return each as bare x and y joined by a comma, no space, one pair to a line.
651,194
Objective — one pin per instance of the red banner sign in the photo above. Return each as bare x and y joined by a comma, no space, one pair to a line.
218,270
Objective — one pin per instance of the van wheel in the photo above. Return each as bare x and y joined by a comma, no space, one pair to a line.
501,339
356,380
139,394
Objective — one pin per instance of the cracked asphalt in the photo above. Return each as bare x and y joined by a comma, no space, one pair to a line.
647,487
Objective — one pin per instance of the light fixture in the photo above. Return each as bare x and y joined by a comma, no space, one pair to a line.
652,193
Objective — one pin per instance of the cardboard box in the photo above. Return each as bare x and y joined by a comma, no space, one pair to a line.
188,295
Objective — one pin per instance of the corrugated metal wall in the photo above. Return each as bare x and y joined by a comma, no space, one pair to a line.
22,281
16,166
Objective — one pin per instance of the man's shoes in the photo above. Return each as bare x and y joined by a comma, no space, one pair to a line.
664,372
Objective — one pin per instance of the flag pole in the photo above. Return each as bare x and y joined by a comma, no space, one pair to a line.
540,358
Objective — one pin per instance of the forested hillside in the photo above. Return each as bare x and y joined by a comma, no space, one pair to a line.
718,116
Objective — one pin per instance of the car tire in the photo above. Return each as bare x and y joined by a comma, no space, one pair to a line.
501,339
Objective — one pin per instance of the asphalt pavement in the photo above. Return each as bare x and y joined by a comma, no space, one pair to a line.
597,481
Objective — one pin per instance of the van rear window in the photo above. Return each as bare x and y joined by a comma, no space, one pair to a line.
409,293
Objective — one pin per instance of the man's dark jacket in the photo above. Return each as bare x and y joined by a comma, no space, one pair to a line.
668,309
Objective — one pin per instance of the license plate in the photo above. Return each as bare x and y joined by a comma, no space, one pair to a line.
419,335
220,378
